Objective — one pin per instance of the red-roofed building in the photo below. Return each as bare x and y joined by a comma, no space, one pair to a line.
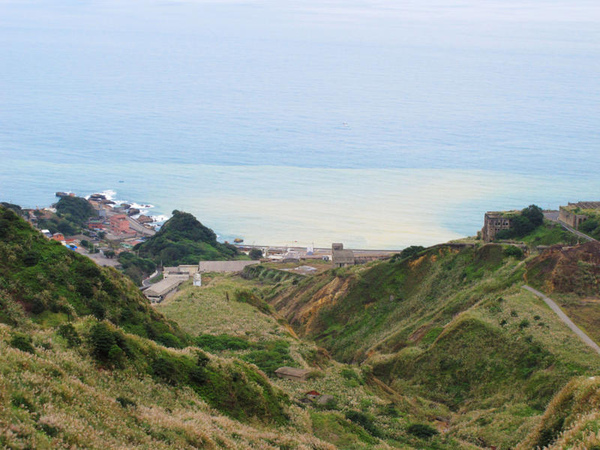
312,395
119,224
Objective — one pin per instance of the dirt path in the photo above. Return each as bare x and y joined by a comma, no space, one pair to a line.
552,304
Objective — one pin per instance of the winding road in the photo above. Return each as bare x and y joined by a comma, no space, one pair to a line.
554,307
553,216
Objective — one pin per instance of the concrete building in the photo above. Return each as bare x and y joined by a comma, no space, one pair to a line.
174,272
119,224
164,288
292,373
574,214
224,266
493,222
341,257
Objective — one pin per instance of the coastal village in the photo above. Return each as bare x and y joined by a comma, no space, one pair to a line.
114,229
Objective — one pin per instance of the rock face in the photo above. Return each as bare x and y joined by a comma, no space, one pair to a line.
133,211
567,269
144,219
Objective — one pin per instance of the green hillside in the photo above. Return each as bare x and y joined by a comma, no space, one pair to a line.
52,285
451,325
436,348
78,366
184,240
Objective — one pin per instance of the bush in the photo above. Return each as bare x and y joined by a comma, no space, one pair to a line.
221,342
125,402
164,368
422,431
352,377
109,346
524,324
169,340
513,251
274,355
23,342
21,401
408,252
255,254
364,421
68,332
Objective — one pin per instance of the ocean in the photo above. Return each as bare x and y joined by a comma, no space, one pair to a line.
376,123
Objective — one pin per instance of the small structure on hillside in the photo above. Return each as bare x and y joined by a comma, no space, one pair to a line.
312,395
164,288
495,221
58,237
292,373
341,257
325,399
198,279
574,214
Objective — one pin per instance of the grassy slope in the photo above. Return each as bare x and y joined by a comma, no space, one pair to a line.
62,368
550,233
61,398
452,326
572,419
572,278
211,308
54,284
207,310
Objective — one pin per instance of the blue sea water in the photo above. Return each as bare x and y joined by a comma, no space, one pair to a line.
376,123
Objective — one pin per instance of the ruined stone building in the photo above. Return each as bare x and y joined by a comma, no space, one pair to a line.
574,214
493,222
341,257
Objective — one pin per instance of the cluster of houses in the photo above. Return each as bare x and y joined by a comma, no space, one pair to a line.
117,221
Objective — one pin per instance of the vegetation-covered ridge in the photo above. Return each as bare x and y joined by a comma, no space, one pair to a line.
52,285
77,367
184,240
71,215
452,325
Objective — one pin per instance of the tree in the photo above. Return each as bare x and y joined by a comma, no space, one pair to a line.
534,214
255,253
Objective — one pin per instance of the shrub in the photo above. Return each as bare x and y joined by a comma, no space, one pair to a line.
274,355
164,368
125,402
109,346
23,342
68,332
19,400
422,431
513,251
353,379
221,342
364,421
169,340
255,253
